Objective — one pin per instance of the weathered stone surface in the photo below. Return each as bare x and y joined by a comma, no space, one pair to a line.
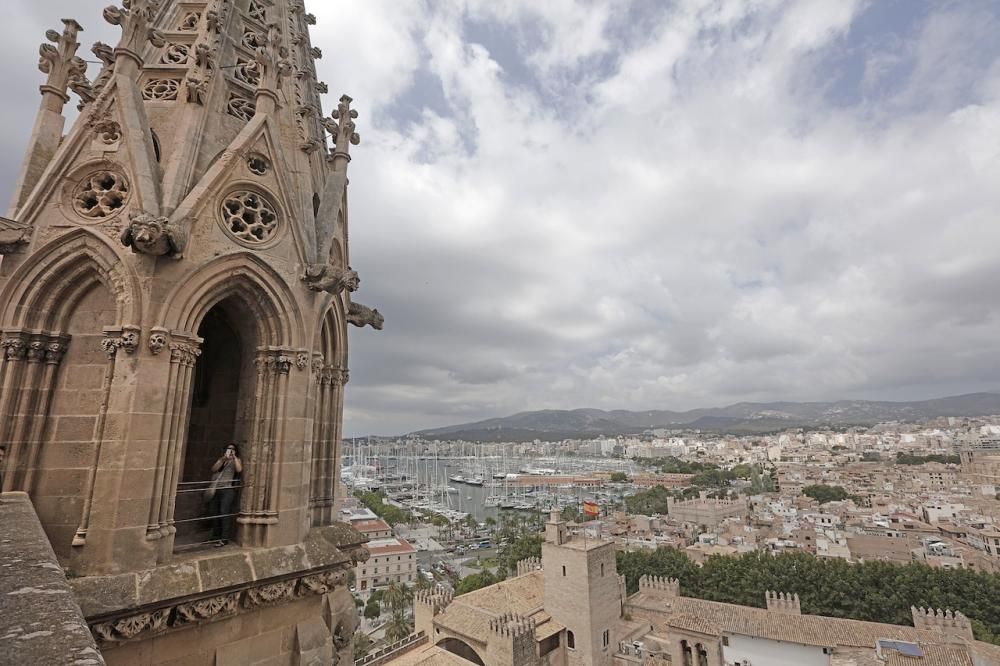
168,582
272,562
40,622
99,595
175,279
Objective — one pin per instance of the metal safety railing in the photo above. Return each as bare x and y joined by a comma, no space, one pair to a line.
197,514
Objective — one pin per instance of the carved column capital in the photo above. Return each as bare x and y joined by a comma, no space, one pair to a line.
110,346
157,341
184,353
283,364
54,352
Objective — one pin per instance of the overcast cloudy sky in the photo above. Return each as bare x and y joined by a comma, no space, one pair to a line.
648,204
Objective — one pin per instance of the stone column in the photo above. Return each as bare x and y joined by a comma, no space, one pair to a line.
184,353
261,475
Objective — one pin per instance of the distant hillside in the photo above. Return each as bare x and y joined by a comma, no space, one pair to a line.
743,417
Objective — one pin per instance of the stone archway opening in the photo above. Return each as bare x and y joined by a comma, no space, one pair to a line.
222,393
459,647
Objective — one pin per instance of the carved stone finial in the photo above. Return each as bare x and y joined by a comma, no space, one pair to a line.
135,18
155,236
342,127
361,315
196,82
332,280
60,62
271,60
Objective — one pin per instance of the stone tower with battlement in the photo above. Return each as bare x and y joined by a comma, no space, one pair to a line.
782,602
175,277
583,592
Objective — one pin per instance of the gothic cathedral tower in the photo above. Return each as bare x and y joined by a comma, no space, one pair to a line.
175,278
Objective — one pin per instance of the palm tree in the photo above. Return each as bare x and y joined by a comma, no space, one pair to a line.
398,627
397,597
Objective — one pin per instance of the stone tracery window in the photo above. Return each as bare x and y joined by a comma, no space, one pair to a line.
108,132
246,71
101,194
161,89
190,22
249,217
241,107
257,164
175,54
251,39
257,11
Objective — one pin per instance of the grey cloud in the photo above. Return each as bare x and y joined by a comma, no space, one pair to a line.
664,213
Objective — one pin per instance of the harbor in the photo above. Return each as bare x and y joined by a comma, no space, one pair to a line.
478,485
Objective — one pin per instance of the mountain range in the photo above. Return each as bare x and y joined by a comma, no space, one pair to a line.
741,418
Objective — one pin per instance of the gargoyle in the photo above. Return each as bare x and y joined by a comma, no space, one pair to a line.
13,236
362,315
332,280
154,236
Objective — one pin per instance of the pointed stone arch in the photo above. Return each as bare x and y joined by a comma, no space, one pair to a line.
243,276
40,294
65,314
269,312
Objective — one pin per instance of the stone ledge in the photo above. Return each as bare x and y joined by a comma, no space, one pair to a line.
41,622
218,571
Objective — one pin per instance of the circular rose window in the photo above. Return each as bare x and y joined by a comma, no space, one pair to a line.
249,217
101,194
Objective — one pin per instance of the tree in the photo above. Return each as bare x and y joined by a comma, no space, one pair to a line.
362,644
570,513
823,493
375,502
648,502
398,627
523,547
743,471
372,609
875,591
476,581
914,459
618,477
397,597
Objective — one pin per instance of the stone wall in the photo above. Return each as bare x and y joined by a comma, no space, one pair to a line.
41,622
277,606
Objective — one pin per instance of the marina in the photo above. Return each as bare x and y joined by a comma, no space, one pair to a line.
475,483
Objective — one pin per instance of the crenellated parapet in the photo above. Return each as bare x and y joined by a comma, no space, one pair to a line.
782,602
436,598
671,586
952,623
513,640
529,564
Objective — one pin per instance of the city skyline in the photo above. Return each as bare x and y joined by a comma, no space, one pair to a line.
653,207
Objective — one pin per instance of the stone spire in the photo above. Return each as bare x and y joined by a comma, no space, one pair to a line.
64,67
